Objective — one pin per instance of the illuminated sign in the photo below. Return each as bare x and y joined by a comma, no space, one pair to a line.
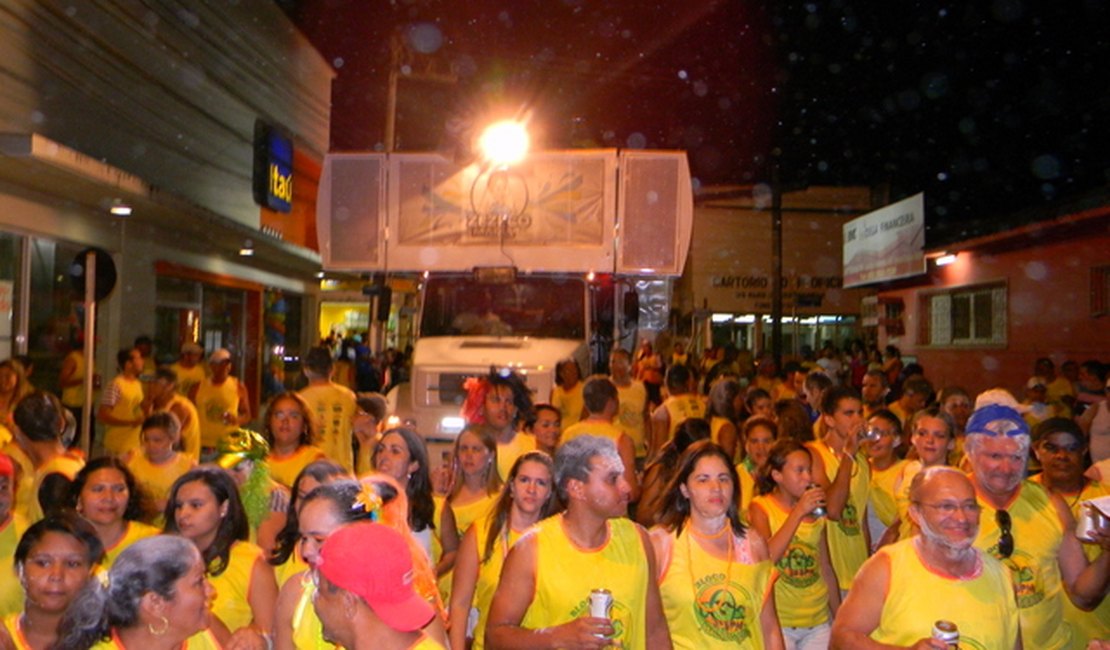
273,168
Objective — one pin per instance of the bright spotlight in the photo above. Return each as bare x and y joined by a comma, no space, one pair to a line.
945,260
504,143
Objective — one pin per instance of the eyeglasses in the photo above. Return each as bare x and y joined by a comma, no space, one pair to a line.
949,508
1005,537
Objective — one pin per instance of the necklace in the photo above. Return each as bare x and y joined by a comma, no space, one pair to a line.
729,553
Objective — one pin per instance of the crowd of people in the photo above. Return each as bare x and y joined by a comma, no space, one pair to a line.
674,502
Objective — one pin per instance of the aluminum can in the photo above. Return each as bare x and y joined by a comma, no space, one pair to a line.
947,632
819,511
601,602
870,435
1089,521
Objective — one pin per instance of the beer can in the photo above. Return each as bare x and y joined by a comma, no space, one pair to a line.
1089,521
601,602
870,434
947,633
819,511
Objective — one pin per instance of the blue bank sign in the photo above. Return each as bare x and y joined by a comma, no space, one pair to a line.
273,168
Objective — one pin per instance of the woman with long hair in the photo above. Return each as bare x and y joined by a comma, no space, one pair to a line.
528,496
291,431
155,597
757,436
566,395
324,510
725,401
660,470
53,561
285,559
706,557
204,507
106,495
402,456
807,592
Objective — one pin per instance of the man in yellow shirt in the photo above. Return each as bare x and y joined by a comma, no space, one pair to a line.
601,399
121,406
1030,530
189,369
681,404
222,403
333,406
937,575
543,600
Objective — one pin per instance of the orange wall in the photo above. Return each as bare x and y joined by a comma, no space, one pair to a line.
1049,312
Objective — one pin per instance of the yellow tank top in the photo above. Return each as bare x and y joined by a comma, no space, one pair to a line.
465,515
589,428
11,593
507,454
715,425
801,594
982,607
308,631
15,630
284,470
74,396
67,466
906,527
882,492
26,471
1033,566
681,408
847,544
489,575
563,593
291,568
187,377
202,640
1094,624
233,586
630,414
190,431
212,402
154,481
334,407
710,602
746,470
118,440
136,530
570,404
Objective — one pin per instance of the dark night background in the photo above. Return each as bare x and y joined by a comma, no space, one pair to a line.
996,110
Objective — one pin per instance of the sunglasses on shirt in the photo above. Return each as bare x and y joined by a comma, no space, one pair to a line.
1005,536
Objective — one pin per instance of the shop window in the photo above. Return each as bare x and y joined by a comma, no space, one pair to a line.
974,315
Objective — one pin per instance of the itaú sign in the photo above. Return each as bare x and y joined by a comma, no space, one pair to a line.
273,168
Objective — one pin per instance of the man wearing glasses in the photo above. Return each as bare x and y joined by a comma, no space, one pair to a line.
1030,530
937,575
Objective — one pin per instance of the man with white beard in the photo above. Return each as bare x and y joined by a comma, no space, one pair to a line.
938,575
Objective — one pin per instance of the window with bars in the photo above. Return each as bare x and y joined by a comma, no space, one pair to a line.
972,315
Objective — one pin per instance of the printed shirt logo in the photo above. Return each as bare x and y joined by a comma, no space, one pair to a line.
1028,586
799,565
849,520
723,611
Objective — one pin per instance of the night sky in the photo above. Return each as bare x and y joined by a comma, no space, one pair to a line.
991,108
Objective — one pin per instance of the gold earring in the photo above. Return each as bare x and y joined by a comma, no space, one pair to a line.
165,627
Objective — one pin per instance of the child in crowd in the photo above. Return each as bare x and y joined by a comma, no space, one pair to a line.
157,464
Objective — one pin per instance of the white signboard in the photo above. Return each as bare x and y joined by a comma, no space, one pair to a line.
886,244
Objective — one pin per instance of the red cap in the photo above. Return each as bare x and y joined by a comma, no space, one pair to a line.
7,467
373,561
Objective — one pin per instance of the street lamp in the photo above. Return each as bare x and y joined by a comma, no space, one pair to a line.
504,143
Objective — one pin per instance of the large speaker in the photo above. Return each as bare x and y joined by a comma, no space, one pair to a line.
656,208
350,212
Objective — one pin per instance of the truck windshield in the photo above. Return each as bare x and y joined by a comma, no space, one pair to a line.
539,307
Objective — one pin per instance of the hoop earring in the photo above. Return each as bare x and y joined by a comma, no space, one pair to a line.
165,627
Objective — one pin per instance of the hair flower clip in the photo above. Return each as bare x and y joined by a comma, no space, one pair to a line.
369,501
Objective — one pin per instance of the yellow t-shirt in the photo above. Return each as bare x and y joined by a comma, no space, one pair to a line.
630,414
67,466
11,592
188,377
746,470
489,576
591,428
521,444
25,471
74,396
710,602
564,595
135,531
570,404
15,629
681,408
284,470
882,492
212,402
1033,566
906,527
847,543
154,481
202,640
334,407
1094,624
233,586
465,516
801,595
308,631
982,607
128,405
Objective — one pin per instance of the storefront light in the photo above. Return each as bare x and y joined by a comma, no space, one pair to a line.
946,259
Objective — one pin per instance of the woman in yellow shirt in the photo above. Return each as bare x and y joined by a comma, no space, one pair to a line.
291,432
758,435
53,561
155,597
106,495
715,576
285,558
158,464
566,395
528,496
886,467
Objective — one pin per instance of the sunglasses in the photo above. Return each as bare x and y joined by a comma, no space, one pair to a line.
1006,536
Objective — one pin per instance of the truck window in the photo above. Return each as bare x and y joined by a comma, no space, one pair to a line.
532,306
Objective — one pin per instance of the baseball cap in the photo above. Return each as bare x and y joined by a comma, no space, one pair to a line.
997,420
219,355
192,348
7,467
373,561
